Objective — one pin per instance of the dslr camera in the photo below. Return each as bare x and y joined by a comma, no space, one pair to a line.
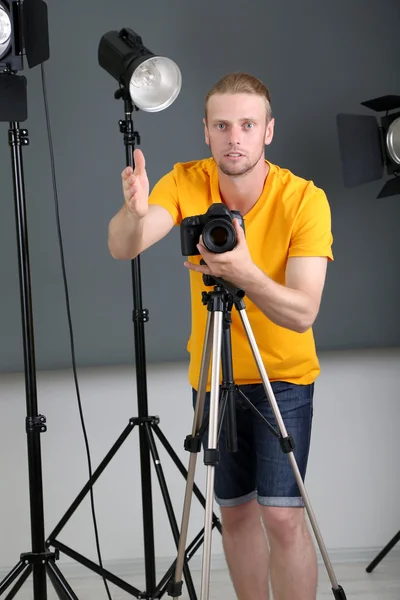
216,227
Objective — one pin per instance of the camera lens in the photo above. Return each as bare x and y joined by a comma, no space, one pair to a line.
219,236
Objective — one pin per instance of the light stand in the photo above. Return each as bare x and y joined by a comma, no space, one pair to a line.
13,108
40,560
147,424
366,148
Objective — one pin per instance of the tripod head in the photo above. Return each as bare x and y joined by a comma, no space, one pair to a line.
221,285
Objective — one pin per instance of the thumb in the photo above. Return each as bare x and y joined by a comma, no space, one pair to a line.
140,163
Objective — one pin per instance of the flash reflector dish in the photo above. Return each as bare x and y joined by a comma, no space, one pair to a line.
155,84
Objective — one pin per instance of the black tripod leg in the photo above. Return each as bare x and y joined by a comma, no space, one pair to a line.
228,384
383,552
169,508
22,570
60,584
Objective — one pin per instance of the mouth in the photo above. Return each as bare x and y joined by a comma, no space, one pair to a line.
233,155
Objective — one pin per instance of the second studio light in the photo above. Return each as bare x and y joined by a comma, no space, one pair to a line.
23,35
367,146
154,82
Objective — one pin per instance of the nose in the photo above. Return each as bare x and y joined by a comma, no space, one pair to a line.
235,135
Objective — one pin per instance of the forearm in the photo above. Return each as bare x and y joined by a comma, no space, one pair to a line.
289,308
125,233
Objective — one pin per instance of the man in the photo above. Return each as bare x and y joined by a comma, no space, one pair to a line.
281,264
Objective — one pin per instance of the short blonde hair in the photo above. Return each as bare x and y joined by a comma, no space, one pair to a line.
241,83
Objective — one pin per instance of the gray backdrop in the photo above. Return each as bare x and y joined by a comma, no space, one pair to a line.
317,59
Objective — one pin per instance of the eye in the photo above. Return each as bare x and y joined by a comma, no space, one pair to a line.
220,125
249,125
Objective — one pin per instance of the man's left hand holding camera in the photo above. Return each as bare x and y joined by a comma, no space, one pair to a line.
233,266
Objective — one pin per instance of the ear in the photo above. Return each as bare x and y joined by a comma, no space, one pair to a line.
206,136
269,132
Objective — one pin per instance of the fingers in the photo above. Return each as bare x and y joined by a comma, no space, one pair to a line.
129,181
129,184
201,247
127,172
198,268
129,175
140,163
126,175
238,228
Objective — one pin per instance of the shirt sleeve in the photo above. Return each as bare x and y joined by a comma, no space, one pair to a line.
311,234
165,193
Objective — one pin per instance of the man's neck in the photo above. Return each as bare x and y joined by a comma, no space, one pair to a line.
241,193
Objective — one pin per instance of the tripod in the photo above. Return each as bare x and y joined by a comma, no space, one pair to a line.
147,426
40,561
218,341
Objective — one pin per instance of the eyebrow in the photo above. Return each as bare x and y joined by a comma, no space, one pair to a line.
241,120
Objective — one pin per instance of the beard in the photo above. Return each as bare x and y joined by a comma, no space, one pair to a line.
242,167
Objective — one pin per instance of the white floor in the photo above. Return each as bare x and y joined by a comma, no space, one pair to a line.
382,584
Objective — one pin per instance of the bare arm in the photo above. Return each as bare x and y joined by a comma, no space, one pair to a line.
129,235
295,305
137,225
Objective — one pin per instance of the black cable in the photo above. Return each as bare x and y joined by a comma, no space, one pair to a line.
70,324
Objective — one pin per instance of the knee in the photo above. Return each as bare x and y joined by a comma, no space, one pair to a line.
284,525
237,518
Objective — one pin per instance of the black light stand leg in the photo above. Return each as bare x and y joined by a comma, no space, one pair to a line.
383,552
60,584
190,551
21,570
37,560
63,521
168,505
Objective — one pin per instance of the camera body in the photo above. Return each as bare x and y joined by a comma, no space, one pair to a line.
216,227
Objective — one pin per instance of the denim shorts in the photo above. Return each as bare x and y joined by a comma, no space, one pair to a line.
260,469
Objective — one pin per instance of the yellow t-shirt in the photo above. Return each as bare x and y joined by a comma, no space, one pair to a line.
291,218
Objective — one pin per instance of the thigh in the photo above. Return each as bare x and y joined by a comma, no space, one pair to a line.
276,483
235,474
